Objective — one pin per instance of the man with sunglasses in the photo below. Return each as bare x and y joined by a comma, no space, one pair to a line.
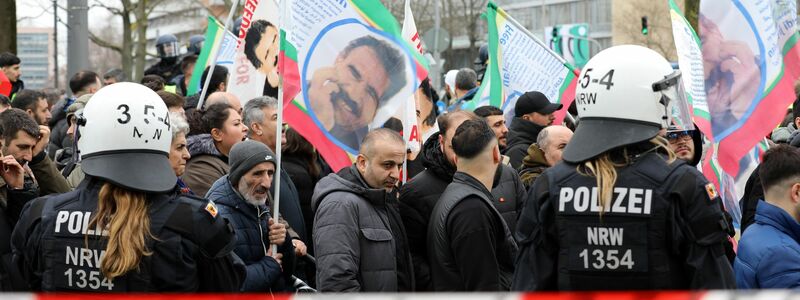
687,145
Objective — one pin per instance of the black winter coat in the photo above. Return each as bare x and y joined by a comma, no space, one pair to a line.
521,135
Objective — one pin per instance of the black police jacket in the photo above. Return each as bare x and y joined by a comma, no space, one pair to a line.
191,247
663,229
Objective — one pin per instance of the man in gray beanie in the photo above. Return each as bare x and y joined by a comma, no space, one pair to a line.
241,197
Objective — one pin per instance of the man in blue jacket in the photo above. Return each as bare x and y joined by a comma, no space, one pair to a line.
769,252
241,197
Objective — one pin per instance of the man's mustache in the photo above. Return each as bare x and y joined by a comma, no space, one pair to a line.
342,96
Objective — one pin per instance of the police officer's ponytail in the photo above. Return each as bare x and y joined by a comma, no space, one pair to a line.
123,213
604,167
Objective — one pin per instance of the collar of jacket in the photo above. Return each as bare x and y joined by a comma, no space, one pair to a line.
774,216
464,178
435,161
203,144
361,188
535,157
524,128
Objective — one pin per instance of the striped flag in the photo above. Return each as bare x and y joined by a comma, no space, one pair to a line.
217,39
519,62
346,69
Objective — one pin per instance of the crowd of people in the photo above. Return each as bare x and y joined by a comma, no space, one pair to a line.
127,186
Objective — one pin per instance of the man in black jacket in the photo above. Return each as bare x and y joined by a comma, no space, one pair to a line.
532,113
469,244
421,193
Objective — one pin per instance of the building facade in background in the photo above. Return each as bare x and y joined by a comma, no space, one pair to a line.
35,50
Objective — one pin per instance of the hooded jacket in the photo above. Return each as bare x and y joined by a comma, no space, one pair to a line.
533,165
252,230
521,135
356,237
206,165
769,252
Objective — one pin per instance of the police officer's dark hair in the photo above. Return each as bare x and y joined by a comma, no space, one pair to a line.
433,97
219,76
8,59
27,99
154,82
446,120
4,101
487,111
115,73
252,38
471,138
81,80
14,120
214,116
466,79
779,165
392,61
171,99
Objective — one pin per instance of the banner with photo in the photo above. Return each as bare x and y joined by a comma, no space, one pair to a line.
519,62
690,62
255,69
750,63
354,71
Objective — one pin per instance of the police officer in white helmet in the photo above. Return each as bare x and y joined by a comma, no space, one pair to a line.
125,228
621,213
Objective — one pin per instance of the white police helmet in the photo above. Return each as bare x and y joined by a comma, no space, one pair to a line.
125,138
626,94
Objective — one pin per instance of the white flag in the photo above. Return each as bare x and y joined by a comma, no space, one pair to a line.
411,132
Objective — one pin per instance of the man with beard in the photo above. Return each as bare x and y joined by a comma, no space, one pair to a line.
34,103
687,145
419,196
347,96
359,238
261,49
494,117
241,198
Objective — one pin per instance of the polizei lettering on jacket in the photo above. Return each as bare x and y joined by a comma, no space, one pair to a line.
76,222
79,269
624,201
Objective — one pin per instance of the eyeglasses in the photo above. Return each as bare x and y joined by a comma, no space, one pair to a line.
675,136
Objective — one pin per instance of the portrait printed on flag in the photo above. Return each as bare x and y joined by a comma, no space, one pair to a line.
734,73
355,78
261,49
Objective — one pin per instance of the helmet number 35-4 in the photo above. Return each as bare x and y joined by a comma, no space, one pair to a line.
149,111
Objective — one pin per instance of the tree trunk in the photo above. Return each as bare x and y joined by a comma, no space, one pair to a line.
127,41
141,39
8,26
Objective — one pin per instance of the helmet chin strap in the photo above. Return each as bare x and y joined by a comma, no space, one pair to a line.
79,121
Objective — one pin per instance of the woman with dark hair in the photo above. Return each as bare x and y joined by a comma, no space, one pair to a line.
221,128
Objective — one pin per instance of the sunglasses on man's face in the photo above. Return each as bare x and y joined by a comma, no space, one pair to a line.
674,136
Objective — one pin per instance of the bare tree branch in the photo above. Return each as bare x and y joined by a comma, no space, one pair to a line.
103,43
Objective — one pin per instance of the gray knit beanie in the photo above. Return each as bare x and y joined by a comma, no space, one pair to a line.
246,155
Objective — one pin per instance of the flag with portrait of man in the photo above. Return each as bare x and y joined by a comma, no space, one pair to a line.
354,70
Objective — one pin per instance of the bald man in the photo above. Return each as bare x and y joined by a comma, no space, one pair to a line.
224,97
359,239
545,153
